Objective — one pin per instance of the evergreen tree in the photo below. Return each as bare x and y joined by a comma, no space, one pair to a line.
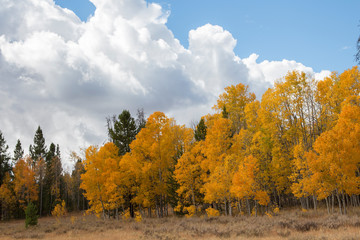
52,177
31,215
38,150
50,154
18,152
4,158
122,131
225,114
200,131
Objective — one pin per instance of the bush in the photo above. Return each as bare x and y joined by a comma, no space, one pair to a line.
59,210
31,217
211,212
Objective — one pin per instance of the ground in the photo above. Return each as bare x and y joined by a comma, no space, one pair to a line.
293,224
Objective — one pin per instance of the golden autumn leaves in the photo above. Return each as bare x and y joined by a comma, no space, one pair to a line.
302,140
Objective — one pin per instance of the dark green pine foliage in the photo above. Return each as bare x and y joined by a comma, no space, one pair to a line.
5,165
31,217
18,152
52,178
200,131
38,150
225,114
122,131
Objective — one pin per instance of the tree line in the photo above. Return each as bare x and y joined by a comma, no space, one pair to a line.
298,146
37,178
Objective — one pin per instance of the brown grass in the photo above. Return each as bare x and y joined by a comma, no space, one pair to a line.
292,225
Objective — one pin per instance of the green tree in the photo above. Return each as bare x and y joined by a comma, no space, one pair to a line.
122,131
18,152
200,131
38,150
52,177
4,158
31,215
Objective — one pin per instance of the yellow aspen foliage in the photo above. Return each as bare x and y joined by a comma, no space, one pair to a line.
246,185
211,212
191,211
7,197
138,217
24,182
234,100
59,210
336,157
98,179
252,116
153,155
218,163
189,174
217,143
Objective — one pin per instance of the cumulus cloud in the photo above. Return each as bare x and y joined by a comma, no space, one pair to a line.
67,76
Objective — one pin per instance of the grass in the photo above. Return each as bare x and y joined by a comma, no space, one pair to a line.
292,225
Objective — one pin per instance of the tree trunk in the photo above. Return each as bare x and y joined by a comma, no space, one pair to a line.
339,201
327,204
315,202
344,203
230,209
248,206
225,202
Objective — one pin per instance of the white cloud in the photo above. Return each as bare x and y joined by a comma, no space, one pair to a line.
67,76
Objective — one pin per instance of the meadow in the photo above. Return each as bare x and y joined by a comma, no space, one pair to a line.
288,224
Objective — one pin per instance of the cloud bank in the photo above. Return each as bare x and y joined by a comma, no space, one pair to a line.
67,75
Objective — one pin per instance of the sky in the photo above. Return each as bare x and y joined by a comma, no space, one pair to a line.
66,65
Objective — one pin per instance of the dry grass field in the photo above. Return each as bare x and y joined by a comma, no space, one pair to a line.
287,225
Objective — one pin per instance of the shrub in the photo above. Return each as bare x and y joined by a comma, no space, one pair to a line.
211,212
31,217
138,217
59,210
191,211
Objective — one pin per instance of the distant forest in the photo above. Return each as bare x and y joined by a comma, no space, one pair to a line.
297,147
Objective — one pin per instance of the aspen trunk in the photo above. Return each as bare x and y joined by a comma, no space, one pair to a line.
315,202
339,201
344,203
248,206
327,204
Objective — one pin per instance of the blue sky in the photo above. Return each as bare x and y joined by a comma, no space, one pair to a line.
320,34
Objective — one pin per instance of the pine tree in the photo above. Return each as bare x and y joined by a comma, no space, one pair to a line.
122,131
200,131
4,158
18,152
31,217
38,150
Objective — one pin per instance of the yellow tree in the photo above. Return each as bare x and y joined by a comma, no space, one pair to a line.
155,152
247,185
332,91
24,182
7,197
234,101
289,117
97,180
335,160
189,175
218,163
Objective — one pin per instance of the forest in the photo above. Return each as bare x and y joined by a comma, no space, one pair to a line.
297,147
